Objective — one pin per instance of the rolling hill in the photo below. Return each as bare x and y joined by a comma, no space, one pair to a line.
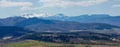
12,32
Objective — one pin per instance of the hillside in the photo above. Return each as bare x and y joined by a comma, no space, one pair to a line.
12,33
74,37
32,43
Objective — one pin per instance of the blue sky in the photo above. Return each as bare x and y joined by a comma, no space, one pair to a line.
10,8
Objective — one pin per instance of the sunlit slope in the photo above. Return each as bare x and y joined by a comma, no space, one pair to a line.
31,43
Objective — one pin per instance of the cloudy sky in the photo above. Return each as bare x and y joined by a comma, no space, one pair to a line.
52,7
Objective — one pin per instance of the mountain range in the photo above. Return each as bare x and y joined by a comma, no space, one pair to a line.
94,18
61,29
42,25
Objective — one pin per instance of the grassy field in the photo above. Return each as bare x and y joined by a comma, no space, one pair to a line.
32,43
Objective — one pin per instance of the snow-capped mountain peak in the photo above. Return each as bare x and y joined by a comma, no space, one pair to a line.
36,15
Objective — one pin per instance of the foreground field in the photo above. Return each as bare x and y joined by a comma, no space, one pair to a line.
32,43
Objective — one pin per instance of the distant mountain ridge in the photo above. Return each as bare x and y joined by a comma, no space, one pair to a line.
42,25
94,18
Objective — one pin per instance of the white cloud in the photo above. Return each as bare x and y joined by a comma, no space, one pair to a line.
116,6
69,3
65,3
50,3
9,3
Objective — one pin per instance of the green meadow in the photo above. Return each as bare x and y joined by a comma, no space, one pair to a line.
33,43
